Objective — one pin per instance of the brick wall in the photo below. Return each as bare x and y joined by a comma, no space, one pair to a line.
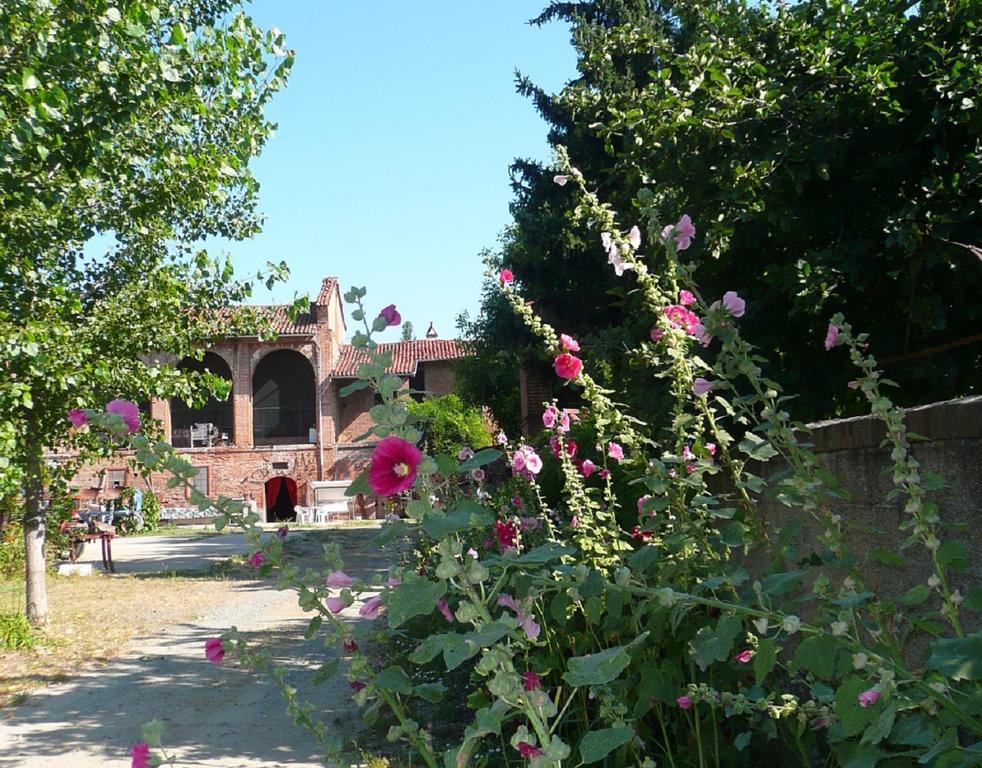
439,377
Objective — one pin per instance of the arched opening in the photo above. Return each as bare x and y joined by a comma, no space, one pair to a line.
283,399
281,498
210,424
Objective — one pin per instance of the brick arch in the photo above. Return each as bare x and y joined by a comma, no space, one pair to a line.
306,349
284,397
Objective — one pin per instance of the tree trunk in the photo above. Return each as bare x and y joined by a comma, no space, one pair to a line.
34,514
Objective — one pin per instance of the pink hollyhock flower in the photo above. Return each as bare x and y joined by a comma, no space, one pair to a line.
634,237
560,179
370,608
687,453
518,461
567,366
555,446
517,502
614,258
78,417
690,468
531,681
569,343
831,337
392,582
605,240
506,533
391,315
529,523
140,755
657,334
869,697
680,317
257,559
640,534
711,447
356,685
563,422
465,453
214,651
571,448
335,604
506,276
549,416
615,451
478,474
587,468
528,750
734,304
684,702
744,656
641,502
339,579
525,620
282,531
393,468
350,645
684,232
672,473
574,521
129,412
702,335
686,298
473,553
444,607
501,438
603,474
701,386
532,462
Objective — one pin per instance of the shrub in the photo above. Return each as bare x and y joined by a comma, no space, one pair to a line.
449,424
15,632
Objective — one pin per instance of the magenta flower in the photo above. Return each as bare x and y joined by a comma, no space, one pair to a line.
336,604
282,531
567,366
569,343
587,468
78,417
531,681
680,317
560,179
339,579
214,651
370,608
831,337
711,447
869,697
687,453
701,386
394,463
744,656
657,334
528,750
506,533
734,304
615,451
686,298
350,645
129,412
604,474
140,755
690,468
525,620
506,276
684,702
257,559
517,501
444,608
391,315
356,685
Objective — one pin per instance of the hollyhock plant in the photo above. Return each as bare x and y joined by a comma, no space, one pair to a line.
831,337
370,608
506,276
282,531
657,334
701,386
684,702
733,304
702,335
129,412
615,451
257,559
569,343
531,681
356,685
587,468
603,474
525,620
339,579
478,475
528,750
549,416
680,317
683,233
78,417
567,366
869,697
744,656
614,258
634,237
563,422
214,651
394,464
350,645
506,532
391,315
140,755
465,453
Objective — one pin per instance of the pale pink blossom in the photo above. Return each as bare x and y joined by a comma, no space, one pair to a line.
831,337
338,579
393,582
657,334
478,474
687,453
606,240
684,232
335,604
733,304
370,608
642,500
574,521
560,179
615,451
465,453
869,697
701,386
569,343
563,422
549,416
444,608
702,335
614,258
525,620
711,447
634,237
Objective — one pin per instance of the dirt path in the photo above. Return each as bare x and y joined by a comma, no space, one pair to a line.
214,715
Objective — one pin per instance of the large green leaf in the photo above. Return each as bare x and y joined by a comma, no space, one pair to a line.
855,718
413,598
597,668
716,644
596,745
960,658
817,655
479,459
394,679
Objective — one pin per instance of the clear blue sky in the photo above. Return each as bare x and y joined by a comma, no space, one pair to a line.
390,165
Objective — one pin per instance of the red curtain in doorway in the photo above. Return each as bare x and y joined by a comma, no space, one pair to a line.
291,488
273,491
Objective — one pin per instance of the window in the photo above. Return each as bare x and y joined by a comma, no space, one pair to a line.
200,480
117,478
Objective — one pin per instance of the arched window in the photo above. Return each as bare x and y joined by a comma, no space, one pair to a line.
212,423
283,400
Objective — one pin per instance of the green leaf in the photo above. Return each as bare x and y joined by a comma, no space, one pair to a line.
413,598
479,459
716,644
959,658
431,692
765,659
853,717
859,756
882,727
953,553
312,627
326,671
394,679
781,583
427,650
817,655
353,387
359,485
596,745
467,515
545,553
28,82
916,595
597,668
887,557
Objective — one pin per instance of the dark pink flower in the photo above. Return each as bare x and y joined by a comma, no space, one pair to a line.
140,755
686,298
350,645
129,412
869,697
78,417
370,608
587,468
640,534
214,651
257,559
831,337
531,681
282,531
506,276
394,463
690,468
685,702
517,502
391,315
528,750
734,304
356,685
569,343
567,366
657,334
444,607
615,451
680,317
571,448
603,474
335,604
506,533
744,656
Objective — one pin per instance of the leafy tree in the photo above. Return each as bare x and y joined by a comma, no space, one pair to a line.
450,424
828,152
126,132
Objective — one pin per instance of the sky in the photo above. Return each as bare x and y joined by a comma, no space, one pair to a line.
389,168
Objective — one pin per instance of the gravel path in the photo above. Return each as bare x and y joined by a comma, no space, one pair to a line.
214,715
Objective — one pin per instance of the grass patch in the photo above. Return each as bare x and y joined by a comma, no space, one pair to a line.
15,632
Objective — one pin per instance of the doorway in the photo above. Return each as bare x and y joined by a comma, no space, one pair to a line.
281,498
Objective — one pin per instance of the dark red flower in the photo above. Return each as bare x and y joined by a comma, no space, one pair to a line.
528,750
506,533
531,681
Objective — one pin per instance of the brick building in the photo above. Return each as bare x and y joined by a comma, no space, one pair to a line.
285,425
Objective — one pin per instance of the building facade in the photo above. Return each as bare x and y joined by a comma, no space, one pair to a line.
285,425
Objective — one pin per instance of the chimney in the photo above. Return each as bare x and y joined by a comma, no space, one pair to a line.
431,331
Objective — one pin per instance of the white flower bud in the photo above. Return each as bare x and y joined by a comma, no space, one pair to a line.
839,628
933,581
859,660
791,624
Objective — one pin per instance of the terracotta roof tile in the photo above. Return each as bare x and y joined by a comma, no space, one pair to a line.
328,286
279,319
405,356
